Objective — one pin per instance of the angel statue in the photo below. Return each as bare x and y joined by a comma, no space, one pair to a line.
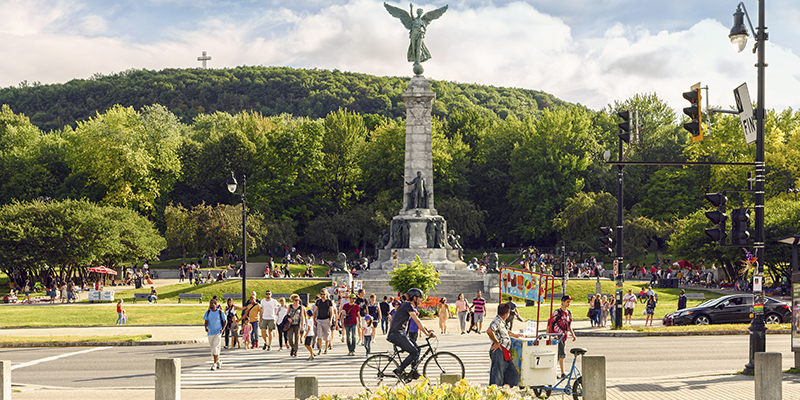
417,52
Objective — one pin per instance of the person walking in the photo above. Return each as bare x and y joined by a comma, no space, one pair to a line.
324,318
267,318
650,309
682,300
361,302
120,312
253,313
280,314
444,313
385,308
512,314
350,321
502,370
308,329
628,304
369,333
214,320
478,309
395,261
462,307
297,318
230,314
560,322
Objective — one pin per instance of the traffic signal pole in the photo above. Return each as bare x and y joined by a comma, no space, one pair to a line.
620,275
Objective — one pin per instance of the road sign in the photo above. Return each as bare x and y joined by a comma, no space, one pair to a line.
616,268
746,116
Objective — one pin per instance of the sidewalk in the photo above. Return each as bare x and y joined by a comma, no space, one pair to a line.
722,386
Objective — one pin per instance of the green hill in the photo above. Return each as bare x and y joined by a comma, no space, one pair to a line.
268,90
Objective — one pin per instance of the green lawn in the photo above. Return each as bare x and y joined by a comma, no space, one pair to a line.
169,294
98,315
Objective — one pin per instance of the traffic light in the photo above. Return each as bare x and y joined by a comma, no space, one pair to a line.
717,216
694,126
606,240
740,223
625,125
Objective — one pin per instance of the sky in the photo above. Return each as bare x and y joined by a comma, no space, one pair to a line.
592,52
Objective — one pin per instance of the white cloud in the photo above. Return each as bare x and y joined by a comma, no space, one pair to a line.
513,44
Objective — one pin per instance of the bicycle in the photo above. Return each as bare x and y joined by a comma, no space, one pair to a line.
574,377
378,369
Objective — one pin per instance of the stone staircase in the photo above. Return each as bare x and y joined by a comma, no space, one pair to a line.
452,283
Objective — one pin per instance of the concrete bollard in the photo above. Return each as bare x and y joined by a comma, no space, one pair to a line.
5,380
593,373
305,387
168,379
768,376
452,379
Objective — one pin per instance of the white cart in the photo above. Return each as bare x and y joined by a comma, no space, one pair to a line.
535,359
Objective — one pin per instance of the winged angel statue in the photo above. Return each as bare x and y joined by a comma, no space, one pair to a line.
417,52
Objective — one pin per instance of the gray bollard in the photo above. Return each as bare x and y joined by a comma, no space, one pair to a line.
5,380
594,377
168,379
452,379
306,386
768,376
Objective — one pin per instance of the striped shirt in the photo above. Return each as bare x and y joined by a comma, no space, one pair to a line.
478,303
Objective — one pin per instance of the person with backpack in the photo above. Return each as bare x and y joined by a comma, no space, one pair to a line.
561,323
214,321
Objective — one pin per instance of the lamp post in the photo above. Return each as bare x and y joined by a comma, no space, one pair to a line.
738,37
232,188
795,191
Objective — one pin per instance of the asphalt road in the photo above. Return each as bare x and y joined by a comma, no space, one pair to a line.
129,367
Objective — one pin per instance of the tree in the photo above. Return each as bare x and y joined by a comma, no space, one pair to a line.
578,224
414,275
181,228
343,139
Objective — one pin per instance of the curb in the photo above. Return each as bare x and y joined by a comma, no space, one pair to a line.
692,333
100,344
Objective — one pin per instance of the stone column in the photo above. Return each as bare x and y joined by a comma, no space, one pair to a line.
419,153
168,379
594,377
5,380
768,376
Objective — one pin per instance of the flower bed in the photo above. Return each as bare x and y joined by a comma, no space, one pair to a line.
424,390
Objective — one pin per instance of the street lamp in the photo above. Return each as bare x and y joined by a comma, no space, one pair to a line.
232,188
795,191
738,36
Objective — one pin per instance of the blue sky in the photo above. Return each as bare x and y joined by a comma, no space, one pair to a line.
592,52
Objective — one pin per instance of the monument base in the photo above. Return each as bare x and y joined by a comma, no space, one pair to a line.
420,239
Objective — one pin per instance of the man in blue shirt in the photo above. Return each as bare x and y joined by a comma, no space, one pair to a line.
214,321
397,331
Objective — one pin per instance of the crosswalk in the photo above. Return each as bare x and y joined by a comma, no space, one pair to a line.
258,368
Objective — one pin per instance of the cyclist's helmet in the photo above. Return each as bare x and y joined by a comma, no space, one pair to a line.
414,292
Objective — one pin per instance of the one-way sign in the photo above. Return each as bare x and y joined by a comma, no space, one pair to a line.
742,97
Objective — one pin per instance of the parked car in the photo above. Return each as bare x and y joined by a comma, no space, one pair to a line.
730,309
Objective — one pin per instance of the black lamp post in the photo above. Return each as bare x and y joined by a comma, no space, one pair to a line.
232,188
738,36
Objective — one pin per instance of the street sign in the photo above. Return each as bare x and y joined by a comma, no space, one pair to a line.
616,268
746,116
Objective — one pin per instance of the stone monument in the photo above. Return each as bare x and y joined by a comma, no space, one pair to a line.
418,230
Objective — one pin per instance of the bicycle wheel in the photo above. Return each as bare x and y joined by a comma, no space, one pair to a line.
443,363
577,389
377,371
538,392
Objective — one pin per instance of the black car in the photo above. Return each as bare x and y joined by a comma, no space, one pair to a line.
729,309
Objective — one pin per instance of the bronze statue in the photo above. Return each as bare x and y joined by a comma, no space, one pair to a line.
440,234
452,240
341,263
492,267
417,26
430,234
418,197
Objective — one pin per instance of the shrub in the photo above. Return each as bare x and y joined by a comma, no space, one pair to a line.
425,390
414,275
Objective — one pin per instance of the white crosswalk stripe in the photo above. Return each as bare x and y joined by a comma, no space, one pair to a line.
336,369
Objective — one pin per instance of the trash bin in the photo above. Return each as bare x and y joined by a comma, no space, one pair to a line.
535,358
137,283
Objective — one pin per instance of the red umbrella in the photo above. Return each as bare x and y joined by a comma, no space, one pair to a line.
102,270
683,264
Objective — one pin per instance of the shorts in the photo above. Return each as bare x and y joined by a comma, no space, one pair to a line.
267,324
235,333
478,317
322,329
561,353
214,342
628,311
309,340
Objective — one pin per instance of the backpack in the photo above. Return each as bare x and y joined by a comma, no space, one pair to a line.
556,319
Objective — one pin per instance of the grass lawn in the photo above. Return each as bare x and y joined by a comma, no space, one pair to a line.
99,315
169,294
72,339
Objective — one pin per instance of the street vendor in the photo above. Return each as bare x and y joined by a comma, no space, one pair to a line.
502,371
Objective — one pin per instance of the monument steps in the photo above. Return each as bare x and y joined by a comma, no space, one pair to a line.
451,283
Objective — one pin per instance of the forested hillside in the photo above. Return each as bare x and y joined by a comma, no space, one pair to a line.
315,93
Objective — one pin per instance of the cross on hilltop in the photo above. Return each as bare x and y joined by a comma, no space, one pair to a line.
204,58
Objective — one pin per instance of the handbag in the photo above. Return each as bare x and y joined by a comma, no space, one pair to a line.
286,323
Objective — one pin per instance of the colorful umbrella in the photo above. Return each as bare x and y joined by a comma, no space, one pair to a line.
102,270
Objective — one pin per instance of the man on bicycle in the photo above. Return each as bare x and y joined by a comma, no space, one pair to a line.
397,331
